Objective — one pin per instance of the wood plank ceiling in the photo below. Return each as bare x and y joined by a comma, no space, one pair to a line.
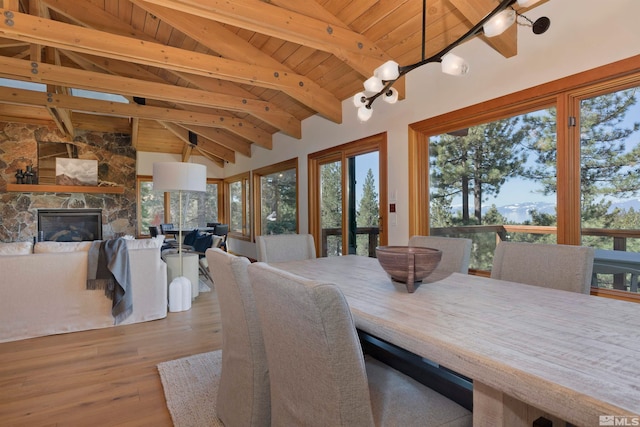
209,77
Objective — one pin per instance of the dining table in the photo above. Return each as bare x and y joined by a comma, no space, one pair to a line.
530,351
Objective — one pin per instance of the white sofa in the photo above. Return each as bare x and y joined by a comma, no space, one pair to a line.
44,293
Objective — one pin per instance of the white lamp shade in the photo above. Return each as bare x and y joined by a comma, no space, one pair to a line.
387,71
175,176
499,23
359,99
454,65
391,96
373,84
364,113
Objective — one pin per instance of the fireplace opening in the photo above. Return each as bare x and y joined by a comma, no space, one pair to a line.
69,225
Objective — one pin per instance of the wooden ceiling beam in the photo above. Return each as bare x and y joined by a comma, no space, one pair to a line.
183,135
474,10
316,10
71,37
221,138
233,124
61,116
217,150
227,43
13,5
46,73
28,97
351,47
186,152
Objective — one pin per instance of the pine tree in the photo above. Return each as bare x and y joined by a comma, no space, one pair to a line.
477,164
607,167
368,214
331,204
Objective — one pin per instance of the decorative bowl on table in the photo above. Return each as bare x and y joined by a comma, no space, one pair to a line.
408,264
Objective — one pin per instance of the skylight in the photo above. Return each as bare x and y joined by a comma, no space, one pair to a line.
39,87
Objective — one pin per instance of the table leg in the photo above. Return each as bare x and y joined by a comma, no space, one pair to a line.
493,408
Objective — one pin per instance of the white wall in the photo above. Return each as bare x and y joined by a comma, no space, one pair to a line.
584,34
145,161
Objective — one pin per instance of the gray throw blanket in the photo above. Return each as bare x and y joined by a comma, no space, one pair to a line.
108,269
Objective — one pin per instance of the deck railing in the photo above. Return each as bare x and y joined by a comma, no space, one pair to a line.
502,233
372,241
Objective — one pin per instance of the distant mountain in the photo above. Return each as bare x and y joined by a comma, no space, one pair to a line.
520,212
68,180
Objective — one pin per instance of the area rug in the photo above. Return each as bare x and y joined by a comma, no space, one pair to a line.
191,389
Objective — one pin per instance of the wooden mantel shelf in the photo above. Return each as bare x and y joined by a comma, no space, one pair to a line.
38,188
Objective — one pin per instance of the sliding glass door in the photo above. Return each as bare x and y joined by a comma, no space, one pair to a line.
347,187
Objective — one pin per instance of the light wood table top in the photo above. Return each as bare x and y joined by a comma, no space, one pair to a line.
528,349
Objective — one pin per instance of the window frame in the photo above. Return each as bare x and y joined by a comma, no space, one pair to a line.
565,94
167,202
246,210
257,191
377,142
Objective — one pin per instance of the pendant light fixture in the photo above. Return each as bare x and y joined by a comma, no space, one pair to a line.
493,24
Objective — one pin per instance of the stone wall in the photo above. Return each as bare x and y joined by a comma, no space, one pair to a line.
116,164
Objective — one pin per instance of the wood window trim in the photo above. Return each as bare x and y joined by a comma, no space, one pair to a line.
565,94
246,220
167,200
377,142
560,93
257,194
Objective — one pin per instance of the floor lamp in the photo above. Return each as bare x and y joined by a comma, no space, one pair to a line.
179,176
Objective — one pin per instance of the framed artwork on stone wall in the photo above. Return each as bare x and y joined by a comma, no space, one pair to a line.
76,171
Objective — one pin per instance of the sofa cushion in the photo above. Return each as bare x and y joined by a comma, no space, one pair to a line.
191,237
47,247
16,248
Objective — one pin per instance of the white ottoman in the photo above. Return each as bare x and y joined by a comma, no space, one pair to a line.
189,270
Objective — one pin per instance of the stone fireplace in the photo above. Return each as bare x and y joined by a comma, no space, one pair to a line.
116,165
69,225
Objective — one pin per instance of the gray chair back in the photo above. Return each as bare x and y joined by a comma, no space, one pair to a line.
318,374
243,393
285,247
316,367
456,251
563,267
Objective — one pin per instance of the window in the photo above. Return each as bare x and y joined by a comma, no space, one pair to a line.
609,139
577,139
347,188
198,209
150,205
237,205
276,198
157,207
495,175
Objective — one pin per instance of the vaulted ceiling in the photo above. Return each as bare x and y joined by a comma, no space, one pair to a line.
212,77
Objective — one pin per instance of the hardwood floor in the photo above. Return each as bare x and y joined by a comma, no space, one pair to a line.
106,377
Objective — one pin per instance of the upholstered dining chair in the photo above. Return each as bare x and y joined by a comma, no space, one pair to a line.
285,247
243,393
564,267
318,374
456,251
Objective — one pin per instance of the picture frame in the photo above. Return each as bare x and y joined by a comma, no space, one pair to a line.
76,172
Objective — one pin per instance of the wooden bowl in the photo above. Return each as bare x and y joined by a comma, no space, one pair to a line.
408,264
